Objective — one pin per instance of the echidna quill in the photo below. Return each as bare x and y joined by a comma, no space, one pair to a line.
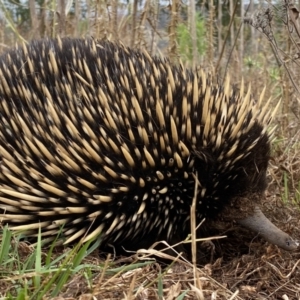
99,139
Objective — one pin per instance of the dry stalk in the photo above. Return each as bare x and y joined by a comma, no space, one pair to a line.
140,42
173,53
133,23
263,21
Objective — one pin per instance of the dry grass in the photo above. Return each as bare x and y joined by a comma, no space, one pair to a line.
241,267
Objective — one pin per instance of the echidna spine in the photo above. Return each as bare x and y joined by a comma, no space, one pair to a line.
98,138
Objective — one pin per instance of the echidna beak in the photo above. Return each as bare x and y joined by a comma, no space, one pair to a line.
259,223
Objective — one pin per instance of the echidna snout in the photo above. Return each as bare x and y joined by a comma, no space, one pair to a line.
257,222
100,139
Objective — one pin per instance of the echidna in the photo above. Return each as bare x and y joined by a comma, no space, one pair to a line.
97,138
